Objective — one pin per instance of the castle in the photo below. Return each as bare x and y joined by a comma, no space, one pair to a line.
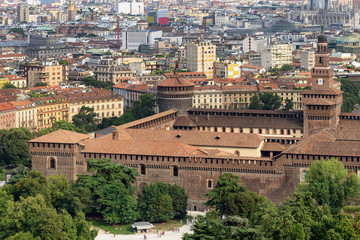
269,150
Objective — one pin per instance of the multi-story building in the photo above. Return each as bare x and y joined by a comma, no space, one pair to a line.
276,55
252,44
50,111
208,97
7,116
131,92
227,69
307,59
22,13
17,81
200,57
25,114
131,40
109,70
48,73
44,46
104,102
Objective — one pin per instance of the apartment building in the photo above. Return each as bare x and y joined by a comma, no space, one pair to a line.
208,97
22,13
307,59
7,116
253,44
109,70
48,73
200,57
276,55
104,102
228,69
25,114
50,111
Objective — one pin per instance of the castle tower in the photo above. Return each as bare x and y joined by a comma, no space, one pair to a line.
175,92
71,11
322,104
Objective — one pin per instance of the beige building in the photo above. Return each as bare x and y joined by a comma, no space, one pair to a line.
276,55
109,70
50,112
208,97
307,59
294,95
25,114
22,13
35,73
200,57
104,102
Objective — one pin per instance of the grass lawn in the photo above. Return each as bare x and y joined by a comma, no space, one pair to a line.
124,229
127,229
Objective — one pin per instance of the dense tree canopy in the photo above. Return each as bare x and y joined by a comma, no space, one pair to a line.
85,121
265,101
27,211
351,94
14,146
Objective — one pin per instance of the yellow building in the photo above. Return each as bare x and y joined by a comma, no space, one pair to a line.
200,57
227,69
35,73
3,81
48,113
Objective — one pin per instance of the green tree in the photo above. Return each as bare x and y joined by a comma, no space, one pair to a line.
102,192
286,68
144,107
63,62
179,200
350,95
255,103
16,147
85,120
265,101
155,203
288,104
18,30
329,184
8,86
91,81
270,101
116,203
231,198
40,84
61,124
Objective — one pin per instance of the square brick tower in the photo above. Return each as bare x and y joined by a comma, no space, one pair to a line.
322,104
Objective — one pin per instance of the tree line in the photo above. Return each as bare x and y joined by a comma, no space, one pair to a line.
35,207
315,211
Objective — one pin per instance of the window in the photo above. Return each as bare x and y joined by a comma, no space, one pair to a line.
209,183
237,153
52,163
175,171
142,170
320,81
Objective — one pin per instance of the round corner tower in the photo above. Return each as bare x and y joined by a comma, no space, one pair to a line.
175,92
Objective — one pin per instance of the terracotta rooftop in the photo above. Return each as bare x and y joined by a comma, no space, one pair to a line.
193,138
110,146
175,81
61,136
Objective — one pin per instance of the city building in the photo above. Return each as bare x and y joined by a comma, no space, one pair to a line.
109,70
276,55
227,69
200,57
42,73
22,13
130,91
307,59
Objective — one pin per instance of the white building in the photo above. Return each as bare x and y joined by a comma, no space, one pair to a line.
132,8
251,44
276,55
131,40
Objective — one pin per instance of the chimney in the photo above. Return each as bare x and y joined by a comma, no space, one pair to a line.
115,135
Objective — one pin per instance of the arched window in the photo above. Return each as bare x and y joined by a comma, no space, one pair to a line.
210,184
142,170
237,153
52,163
175,171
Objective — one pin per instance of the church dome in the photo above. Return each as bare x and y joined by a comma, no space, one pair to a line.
283,26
